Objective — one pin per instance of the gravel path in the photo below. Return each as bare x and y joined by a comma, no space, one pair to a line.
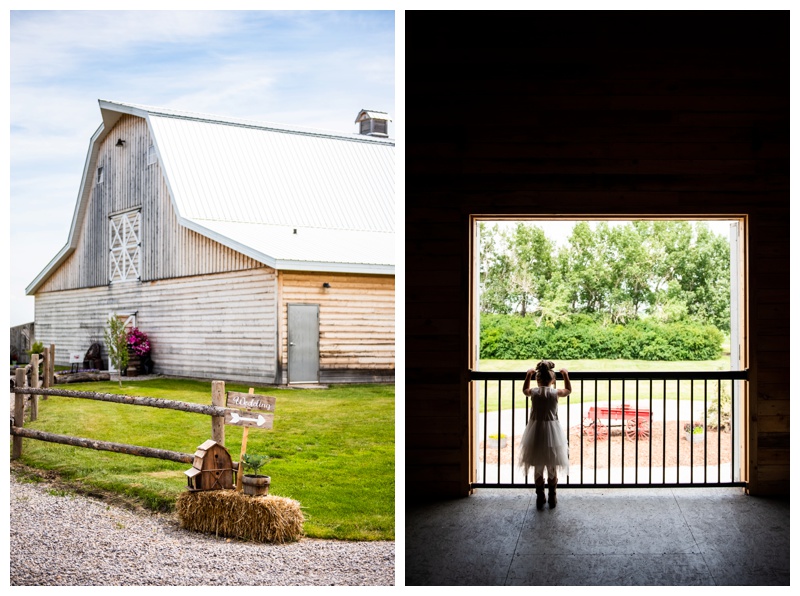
59,538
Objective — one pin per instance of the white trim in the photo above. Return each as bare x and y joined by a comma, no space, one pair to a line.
124,231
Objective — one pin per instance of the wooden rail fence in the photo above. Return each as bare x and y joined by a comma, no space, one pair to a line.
216,410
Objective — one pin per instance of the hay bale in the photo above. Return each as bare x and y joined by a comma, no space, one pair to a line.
229,513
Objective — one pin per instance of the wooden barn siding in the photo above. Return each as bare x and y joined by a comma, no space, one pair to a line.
356,320
575,122
219,326
168,249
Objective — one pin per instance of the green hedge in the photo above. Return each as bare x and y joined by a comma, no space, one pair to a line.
510,337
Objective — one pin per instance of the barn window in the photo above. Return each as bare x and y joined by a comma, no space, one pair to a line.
125,243
151,155
99,174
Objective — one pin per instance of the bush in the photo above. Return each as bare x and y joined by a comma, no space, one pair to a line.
510,337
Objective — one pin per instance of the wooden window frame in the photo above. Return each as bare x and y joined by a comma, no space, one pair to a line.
747,444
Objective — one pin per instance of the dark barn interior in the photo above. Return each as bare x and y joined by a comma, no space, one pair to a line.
581,115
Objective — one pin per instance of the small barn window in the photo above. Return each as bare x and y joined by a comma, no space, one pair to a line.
125,243
99,174
151,155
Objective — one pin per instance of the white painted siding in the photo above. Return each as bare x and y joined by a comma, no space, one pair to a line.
219,326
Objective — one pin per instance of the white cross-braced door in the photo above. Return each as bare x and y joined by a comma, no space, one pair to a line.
125,243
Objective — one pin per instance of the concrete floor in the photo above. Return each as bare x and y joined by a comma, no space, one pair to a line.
643,537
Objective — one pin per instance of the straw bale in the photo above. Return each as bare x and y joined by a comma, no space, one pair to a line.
268,518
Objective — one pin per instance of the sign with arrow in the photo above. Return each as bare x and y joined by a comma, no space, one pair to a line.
258,413
243,420
255,411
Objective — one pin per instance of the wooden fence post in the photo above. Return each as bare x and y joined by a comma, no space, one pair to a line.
35,385
19,410
52,372
45,368
218,422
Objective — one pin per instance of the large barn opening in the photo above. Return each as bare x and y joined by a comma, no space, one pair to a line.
648,315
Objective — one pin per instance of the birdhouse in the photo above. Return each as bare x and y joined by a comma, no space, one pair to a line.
212,468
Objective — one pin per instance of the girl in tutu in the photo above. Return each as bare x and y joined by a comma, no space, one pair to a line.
543,442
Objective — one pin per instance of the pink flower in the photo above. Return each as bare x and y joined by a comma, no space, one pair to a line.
138,342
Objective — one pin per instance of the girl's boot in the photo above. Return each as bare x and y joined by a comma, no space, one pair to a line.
540,493
551,493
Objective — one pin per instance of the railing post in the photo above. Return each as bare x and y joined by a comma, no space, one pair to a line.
19,410
35,385
218,422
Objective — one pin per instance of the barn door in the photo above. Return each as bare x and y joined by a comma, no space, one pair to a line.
303,336
130,321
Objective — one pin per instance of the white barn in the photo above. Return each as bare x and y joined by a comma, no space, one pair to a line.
246,251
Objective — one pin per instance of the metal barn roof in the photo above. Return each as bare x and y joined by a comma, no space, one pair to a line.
291,198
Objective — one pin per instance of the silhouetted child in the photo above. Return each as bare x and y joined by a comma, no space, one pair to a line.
543,442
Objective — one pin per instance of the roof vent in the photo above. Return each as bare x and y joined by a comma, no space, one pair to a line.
372,123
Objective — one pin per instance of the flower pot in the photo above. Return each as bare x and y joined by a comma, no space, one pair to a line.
694,437
493,443
255,485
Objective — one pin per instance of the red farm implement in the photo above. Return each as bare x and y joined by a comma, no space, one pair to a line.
632,421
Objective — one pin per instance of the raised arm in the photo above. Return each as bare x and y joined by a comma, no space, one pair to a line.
526,387
567,389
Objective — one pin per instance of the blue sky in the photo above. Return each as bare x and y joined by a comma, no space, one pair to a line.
309,69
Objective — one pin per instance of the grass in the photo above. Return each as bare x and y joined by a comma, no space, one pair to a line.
587,390
332,450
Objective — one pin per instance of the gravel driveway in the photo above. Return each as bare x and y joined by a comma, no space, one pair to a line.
59,538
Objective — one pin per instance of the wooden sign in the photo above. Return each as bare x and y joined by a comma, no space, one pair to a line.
75,357
256,411
250,401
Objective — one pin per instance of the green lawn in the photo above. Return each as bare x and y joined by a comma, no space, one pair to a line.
332,449
587,390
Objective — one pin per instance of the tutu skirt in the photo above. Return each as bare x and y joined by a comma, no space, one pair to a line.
543,443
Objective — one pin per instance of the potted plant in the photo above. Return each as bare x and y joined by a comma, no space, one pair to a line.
496,440
138,349
694,431
36,348
254,484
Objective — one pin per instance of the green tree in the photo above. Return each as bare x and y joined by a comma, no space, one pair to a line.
670,271
704,279
586,265
530,266
494,271
116,344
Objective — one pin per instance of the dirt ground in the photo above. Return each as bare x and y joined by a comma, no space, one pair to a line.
653,446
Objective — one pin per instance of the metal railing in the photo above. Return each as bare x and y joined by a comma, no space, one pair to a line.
624,429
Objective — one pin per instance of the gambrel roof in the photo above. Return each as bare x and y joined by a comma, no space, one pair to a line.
293,199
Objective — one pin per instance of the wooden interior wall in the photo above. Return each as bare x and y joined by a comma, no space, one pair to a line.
567,114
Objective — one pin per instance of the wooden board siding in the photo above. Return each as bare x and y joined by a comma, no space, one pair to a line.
571,116
357,323
219,326
168,249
